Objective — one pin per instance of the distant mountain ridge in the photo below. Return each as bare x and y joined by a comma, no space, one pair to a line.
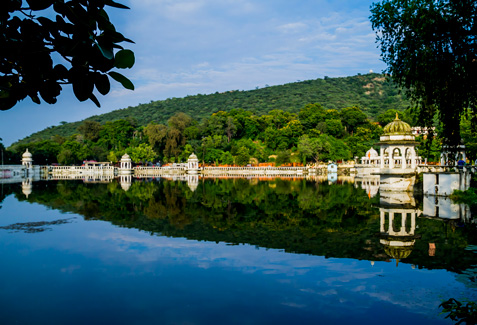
373,93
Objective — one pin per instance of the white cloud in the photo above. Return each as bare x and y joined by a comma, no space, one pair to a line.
292,27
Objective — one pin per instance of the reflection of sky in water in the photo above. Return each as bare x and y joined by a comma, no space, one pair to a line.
91,271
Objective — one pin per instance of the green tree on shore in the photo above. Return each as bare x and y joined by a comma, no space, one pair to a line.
429,48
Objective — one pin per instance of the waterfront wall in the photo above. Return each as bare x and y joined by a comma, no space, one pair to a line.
11,171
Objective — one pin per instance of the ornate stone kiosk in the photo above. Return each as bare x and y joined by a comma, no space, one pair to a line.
192,164
125,165
27,163
398,158
125,172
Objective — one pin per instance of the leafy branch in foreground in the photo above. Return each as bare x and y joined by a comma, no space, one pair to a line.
460,312
80,37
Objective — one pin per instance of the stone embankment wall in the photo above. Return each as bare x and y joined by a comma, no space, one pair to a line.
245,171
72,172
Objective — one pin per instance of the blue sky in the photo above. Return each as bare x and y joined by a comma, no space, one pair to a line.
187,47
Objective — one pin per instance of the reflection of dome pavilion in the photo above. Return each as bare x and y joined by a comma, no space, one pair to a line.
398,236
399,252
125,181
193,182
27,186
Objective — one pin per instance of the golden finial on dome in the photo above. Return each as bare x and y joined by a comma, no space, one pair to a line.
397,117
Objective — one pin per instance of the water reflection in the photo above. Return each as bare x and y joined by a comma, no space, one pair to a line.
337,230
318,216
398,214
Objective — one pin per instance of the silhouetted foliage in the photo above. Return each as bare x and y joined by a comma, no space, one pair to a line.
81,34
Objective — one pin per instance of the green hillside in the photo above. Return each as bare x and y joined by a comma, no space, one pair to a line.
372,93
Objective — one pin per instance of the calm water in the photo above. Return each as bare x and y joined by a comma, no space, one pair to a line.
229,252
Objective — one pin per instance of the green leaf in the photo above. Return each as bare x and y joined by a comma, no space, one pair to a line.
122,80
124,59
95,100
102,83
104,14
114,4
35,99
39,4
107,53
61,73
83,88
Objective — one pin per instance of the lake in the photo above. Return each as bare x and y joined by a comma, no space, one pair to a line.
227,251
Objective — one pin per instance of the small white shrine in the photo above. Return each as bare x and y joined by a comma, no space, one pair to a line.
370,164
371,158
192,164
27,162
125,165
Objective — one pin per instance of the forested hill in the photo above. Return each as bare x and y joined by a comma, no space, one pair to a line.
372,93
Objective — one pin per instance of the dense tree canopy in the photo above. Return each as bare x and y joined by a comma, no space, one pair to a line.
236,137
430,48
313,135
48,43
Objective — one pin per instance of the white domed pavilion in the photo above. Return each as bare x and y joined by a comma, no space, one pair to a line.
125,165
192,164
27,159
397,146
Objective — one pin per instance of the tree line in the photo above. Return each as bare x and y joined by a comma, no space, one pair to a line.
237,137
373,93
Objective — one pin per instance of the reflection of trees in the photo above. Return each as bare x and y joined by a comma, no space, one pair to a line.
5,190
469,276
297,216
